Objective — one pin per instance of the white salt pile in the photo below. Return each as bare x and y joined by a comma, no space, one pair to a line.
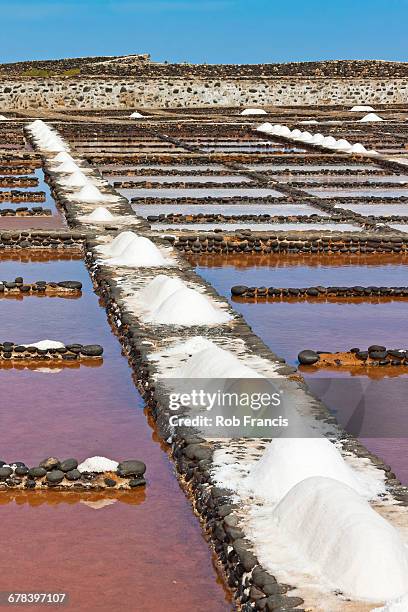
44,345
3,118
76,179
357,148
98,464
397,605
188,307
341,539
214,362
254,111
136,115
361,109
118,244
89,193
287,461
68,167
140,252
371,117
157,291
62,157
308,122
99,215
265,127
318,138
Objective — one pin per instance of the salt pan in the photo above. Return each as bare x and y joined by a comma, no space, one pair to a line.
340,538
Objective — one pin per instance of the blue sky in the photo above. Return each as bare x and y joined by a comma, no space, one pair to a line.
212,31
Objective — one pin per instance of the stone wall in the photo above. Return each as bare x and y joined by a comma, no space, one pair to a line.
126,93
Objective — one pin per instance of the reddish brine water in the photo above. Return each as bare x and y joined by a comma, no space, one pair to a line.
374,405
55,221
138,551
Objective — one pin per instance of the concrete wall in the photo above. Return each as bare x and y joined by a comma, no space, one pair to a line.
122,93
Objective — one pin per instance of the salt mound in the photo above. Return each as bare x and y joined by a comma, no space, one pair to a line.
98,464
287,461
76,179
329,142
296,134
357,148
266,127
140,252
158,290
361,109
283,130
190,347
62,157
3,118
309,122
100,214
68,167
306,137
89,193
215,363
254,111
342,539
371,117
318,138
342,145
188,307
136,115
397,605
118,244
44,345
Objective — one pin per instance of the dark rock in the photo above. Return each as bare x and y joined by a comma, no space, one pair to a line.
37,472
308,357
5,472
55,476
197,451
376,347
50,463
30,484
68,465
73,475
21,470
92,350
109,482
239,290
131,467
136,482
70,285
377,354
275,602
